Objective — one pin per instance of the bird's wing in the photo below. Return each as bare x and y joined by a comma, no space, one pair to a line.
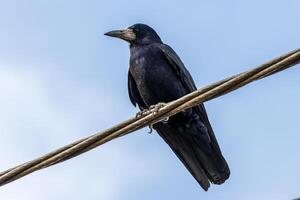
190,86
134,94
196,146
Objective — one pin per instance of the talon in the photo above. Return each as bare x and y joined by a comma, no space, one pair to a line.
155,108
151,128
142,113
165,120
151,107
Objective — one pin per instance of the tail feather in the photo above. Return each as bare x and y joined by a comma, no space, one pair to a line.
184,152
203,161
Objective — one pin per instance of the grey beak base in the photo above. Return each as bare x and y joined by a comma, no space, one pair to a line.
126,34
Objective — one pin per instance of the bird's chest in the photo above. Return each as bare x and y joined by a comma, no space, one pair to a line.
153,76
144,67
139,68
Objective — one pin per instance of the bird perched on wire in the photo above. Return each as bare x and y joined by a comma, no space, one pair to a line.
156,75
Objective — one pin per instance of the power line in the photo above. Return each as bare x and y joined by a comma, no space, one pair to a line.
190,100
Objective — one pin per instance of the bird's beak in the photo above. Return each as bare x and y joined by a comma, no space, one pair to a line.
126,34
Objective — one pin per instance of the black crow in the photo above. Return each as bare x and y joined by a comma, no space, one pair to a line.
156,74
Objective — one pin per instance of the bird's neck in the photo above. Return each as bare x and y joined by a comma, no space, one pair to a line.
138,45
135,48
146,41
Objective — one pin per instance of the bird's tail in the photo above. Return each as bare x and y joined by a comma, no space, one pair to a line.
214,164
202,158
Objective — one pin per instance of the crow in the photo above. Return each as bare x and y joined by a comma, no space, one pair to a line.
156,75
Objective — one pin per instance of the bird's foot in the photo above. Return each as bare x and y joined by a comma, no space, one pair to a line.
156,108
153,109
142,113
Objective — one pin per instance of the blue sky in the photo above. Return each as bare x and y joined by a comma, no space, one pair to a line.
60,81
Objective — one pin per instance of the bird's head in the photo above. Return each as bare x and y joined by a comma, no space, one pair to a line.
136,34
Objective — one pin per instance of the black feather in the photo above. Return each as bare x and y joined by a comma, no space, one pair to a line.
157,74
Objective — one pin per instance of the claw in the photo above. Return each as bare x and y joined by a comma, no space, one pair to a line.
165,120
153,109
142,113
151,128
